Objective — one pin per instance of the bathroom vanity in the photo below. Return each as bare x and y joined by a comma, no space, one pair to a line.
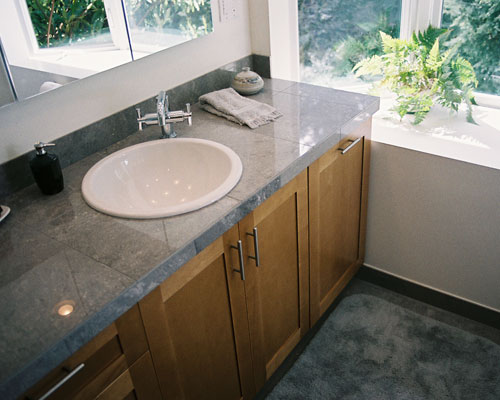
206,304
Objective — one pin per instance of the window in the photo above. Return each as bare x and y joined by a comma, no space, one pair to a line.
63,23
336,34
475,30
156,25
67,38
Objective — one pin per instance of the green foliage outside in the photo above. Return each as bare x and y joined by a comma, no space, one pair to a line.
60,22
335,34
475,31
192,17
339,34
353,49
421,74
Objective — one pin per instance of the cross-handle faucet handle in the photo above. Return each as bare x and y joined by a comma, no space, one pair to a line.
139,117
189,114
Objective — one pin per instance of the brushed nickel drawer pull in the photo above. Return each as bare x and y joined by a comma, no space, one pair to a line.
240,271
255,246
354,143
62,381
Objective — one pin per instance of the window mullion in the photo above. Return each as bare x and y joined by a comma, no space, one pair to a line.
408,18
27,27
417,15
434,13
116,23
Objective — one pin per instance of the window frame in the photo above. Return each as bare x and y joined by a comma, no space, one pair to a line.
113,12
417,15
27,53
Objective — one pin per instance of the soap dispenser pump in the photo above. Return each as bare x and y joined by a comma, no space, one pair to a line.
46,170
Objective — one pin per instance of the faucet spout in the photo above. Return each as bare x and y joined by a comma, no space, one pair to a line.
162,107
164,117
167,131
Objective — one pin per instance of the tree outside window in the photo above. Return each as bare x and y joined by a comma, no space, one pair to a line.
474,27
64,22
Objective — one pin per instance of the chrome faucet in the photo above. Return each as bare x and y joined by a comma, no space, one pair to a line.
163,117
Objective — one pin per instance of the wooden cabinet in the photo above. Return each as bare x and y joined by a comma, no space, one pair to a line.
337,217
214,335
197,327
114,365
277,291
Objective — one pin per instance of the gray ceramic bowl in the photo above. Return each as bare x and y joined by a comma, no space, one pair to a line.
247,82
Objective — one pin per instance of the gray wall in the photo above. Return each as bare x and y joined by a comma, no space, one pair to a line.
28,81
435,221
6,95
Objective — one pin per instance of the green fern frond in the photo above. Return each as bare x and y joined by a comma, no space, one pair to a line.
465,71
434,59
428,37
369,66
390,44
421,75
469,100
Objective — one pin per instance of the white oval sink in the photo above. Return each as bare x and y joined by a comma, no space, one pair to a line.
161,178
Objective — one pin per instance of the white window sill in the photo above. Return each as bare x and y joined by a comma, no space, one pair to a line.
77,64
443,133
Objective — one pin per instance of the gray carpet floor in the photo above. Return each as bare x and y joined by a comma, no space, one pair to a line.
369,348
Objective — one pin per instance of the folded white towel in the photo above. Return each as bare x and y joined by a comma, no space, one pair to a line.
229,104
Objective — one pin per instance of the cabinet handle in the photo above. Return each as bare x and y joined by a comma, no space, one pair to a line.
62,381
354,143
240,271
255,246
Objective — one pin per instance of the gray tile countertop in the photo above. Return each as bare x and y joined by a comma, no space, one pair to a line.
56,248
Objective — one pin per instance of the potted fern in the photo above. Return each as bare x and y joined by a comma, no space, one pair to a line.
420,74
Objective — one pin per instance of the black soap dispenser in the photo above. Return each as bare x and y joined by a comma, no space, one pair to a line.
46,170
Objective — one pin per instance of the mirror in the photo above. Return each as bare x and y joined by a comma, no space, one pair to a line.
49,43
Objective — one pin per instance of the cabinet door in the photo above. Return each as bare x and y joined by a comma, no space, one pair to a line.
197,351
277,290
335,196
